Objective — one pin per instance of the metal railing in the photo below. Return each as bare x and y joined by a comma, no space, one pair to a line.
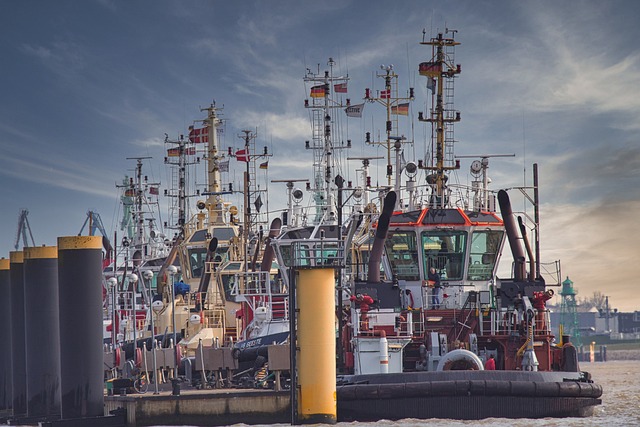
317,253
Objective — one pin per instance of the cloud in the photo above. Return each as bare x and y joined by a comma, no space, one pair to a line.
282,127
57,173
64,58
597,247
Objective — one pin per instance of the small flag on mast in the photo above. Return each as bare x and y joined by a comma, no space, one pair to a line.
401,109
317,91
198,135
175,152
429,69
354,110
431,84
242,156
385,94
340,88
264,165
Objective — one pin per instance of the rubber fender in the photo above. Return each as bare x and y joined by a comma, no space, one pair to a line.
523,388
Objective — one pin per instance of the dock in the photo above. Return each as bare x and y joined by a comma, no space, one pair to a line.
213,407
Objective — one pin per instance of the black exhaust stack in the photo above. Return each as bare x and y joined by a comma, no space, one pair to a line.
511,228
373,274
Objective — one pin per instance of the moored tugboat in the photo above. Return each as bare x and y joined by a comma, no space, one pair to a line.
432,332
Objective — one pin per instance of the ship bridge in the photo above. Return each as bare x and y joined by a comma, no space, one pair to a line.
462,246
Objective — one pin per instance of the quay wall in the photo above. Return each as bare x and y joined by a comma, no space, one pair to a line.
204,407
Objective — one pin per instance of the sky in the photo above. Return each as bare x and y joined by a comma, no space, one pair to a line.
85,85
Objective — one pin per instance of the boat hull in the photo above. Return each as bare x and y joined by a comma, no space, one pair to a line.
466,395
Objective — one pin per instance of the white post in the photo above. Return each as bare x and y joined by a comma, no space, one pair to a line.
172,271
384,355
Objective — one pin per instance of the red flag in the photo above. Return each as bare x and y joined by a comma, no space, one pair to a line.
385,94
198,135
242,156
154,191
340,88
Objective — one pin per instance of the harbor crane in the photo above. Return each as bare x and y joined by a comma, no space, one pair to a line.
23,228
95,224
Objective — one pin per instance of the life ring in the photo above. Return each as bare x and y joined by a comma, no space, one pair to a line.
118,357
460,360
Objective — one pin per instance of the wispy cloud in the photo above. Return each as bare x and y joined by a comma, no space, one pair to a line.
57,173
64,58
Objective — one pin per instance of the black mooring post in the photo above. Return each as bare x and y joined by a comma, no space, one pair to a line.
42,331
6,377
81,353
18,341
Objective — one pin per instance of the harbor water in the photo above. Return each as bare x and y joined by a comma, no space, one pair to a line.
620,380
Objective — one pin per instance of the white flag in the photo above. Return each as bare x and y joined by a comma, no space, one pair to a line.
223,166
354,110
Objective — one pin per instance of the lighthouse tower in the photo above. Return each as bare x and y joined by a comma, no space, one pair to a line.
568,312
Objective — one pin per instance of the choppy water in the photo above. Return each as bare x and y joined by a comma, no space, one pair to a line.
620,403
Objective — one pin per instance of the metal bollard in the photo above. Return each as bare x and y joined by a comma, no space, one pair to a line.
175,386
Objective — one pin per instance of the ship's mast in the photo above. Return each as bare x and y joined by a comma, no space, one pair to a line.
324,142
135,200
395,106
214,201
177,159
247,136
441,72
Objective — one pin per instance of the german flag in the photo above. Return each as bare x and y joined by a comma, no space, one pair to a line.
430,69
318,91
401,109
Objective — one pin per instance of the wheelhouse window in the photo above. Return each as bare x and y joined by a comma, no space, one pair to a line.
485,245
444,250
229,275
196,261
403,254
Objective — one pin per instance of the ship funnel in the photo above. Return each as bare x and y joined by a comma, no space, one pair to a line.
373,274
356,220
527,245
512,234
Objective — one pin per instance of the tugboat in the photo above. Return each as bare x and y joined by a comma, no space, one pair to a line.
144,247
433,332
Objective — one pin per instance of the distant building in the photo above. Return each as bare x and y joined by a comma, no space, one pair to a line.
629,325
617,325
